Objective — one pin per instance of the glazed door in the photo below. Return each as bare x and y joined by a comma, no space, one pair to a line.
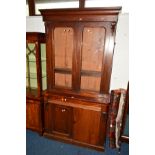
31,68
95,48
58,120
61,47
92,56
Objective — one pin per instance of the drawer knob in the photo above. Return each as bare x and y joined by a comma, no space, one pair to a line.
63,99
80,19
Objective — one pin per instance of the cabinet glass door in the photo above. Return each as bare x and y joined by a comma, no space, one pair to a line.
63,50
43,65
31,69
92,55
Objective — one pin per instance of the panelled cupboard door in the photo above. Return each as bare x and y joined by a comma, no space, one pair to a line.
86,127
33,115
58,119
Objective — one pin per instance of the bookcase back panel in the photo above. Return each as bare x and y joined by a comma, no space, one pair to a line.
63,47
64,80
92,48
90,83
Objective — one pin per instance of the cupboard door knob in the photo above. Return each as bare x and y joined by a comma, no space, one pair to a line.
63,110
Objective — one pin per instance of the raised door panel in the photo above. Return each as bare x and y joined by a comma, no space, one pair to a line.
47,117
58,120
33,114
62,119
86,127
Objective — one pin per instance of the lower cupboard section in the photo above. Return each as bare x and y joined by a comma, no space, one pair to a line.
77,125
34,115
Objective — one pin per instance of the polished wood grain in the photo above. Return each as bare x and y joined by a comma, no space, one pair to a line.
33,115
106,14
86,125
47,117
62,119
80,44
74,118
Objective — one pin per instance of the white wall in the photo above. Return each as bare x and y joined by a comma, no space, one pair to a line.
34,24
120,71
75,4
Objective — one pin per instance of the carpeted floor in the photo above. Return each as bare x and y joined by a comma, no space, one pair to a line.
38,145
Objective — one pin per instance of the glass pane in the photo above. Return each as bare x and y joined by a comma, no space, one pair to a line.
43,65
31,69
63,55
44,83
63,41
33,82
92,48
90,83
63,80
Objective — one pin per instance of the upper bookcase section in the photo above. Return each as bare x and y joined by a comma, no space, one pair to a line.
105,14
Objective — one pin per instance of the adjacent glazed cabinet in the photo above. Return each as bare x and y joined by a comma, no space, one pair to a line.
35,79
80,45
